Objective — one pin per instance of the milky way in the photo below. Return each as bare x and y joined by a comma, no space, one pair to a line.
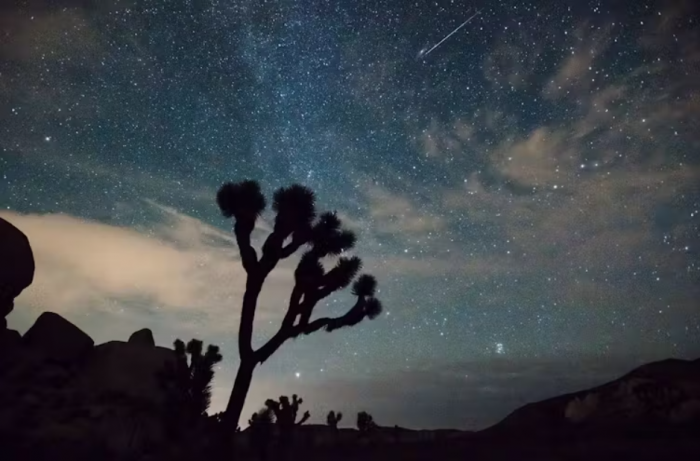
528,197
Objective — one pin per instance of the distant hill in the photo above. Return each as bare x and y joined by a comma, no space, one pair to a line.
664,393
651,413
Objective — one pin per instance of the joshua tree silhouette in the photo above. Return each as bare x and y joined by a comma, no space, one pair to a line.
260,424
365,422
333,419
296,225
188,383
286,411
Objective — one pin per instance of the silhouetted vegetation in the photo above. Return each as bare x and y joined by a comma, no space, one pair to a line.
261,428
285,413
296,226
333,419
187,385
365,422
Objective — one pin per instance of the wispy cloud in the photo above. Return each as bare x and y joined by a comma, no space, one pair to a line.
395,214
576,72
512,62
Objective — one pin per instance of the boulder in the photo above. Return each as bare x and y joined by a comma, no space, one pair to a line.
17,267
10,347
127,369
143,337
9,340
58,339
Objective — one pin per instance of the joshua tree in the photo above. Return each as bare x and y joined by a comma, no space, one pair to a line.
260,424
296,225
333,419
365,422
188,382
286,412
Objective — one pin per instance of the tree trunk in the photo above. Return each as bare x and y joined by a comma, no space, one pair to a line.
239,392
253,287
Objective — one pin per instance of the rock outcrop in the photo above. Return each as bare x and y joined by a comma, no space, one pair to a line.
142,337
128,369
16,267
55,338
57,386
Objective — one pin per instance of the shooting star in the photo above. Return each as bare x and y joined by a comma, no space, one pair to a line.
423,53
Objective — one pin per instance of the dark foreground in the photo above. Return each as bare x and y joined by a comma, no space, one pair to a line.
680,445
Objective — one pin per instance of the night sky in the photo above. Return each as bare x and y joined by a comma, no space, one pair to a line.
527,193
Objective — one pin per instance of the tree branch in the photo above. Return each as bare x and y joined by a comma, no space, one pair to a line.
256,279
283,334
293,246
332,322
249,257
304,418
272,251
253,287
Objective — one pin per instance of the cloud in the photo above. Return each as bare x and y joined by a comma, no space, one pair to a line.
452,263
543,158
178,266
581,223
48,36
513,65
601,110
436,141
585,195
576,72
468,137
395,214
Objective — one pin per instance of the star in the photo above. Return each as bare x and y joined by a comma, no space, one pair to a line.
500,349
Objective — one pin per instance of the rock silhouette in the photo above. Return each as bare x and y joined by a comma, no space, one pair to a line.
60,388
143,337
57,339
16,267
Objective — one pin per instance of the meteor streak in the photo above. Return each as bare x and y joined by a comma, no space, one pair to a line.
422,53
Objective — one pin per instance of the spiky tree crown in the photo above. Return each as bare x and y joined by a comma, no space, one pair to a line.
264,416
242,200
286,411
189,381
365,422
295,208
334,418
324,236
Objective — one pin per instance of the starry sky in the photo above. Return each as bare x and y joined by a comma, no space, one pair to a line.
527,193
